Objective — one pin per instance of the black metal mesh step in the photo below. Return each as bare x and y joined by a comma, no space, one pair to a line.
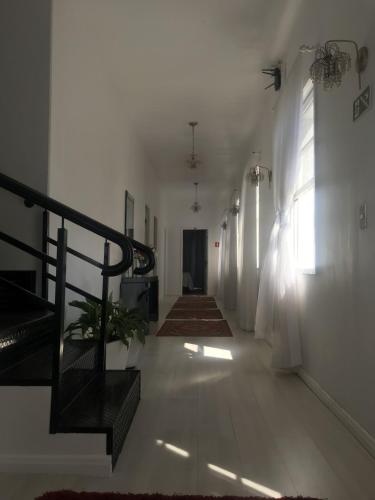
35,368
107,405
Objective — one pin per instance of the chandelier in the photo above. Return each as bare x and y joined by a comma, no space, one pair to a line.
196,207
193,161
331,63
235,203
257,173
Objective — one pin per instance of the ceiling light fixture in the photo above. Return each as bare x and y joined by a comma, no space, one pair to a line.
196,207
193,161
331,63
235,203
256,174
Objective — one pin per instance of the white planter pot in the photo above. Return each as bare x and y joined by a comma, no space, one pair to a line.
135,352
116,355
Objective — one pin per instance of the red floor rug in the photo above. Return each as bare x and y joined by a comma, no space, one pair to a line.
195,314
195,328
195,305
195,298
71,495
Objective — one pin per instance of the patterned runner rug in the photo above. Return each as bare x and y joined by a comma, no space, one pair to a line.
195,314
195,305
195,298
195,328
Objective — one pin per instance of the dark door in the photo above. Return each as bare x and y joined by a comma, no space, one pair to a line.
194,279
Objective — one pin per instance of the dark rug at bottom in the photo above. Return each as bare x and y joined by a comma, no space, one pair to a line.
70,495
195,328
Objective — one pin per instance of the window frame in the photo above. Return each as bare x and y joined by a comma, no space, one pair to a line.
310,184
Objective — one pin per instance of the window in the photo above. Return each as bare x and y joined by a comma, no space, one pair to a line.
304,197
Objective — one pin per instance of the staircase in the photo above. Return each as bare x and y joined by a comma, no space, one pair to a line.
85,398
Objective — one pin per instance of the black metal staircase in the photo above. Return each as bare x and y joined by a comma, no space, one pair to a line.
34,349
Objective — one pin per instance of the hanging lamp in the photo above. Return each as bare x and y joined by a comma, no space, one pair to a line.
196,207
193,161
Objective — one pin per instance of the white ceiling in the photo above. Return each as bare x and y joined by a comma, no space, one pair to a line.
183,60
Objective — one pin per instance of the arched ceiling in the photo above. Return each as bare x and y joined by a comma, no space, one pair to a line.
183,60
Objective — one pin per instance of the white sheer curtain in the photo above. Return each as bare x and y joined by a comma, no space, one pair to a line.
230,263
276,316
247,272
221,263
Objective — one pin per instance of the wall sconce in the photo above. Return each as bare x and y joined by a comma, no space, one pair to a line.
235,203
224,225
331,63
256,174
274,73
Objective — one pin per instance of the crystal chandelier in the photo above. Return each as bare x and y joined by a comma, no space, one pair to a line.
196,207
235,204
331,63
193,161
256,173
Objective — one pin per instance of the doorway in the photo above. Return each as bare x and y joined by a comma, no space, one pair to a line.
194,271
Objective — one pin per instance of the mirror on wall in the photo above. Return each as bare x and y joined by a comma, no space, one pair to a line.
129,215
147,225
155,242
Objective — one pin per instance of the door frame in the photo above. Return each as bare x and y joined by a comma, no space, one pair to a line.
182,257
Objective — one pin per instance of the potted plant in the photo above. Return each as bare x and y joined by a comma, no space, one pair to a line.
122,327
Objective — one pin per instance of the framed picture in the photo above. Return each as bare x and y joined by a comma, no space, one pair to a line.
129,215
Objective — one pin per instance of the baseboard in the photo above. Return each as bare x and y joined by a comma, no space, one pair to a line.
91,465
366,440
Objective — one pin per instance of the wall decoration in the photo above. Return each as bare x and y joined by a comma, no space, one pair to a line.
362,103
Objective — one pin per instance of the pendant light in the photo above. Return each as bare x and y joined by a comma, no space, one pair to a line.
196,207
193,161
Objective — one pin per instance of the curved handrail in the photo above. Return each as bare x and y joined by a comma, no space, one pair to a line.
33,197
141,271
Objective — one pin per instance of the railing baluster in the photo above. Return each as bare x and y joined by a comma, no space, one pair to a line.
104,312
45,230
62,243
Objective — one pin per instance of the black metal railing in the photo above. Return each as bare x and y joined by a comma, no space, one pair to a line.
127,245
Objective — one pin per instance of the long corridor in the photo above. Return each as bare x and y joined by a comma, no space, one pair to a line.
215,420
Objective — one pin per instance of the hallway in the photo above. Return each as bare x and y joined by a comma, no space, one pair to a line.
214,420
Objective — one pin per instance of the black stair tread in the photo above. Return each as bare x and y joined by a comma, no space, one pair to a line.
75,349
10,319
34,369
97,407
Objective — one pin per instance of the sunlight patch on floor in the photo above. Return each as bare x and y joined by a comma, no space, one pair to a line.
210,352
191,347
222,471
259,488
173,448
215,352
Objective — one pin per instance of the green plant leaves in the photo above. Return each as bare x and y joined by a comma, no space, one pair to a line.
121,323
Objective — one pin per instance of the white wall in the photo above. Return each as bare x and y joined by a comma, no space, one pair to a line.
336,304
24,118
33,449
177,201
95,154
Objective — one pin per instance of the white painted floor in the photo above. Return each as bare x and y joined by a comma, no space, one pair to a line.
215,420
